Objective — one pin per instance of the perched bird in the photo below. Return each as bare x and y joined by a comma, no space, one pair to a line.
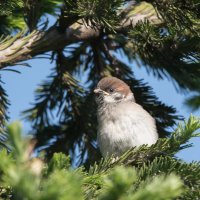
122,123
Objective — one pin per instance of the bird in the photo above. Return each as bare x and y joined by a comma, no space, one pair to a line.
122,123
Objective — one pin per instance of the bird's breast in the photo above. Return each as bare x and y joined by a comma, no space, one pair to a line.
121,129
115,134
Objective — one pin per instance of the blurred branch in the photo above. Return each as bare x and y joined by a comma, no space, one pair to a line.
141,173
193,102
3,116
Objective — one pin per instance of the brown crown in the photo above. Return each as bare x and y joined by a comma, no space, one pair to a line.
114,83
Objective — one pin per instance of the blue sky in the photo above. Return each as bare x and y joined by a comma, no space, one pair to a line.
20,88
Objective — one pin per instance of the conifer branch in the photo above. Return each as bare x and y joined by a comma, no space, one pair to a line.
163,177
4,103
22,47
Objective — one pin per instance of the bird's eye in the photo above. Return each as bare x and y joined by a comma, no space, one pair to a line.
111,90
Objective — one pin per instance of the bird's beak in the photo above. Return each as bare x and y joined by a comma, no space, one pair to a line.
99,91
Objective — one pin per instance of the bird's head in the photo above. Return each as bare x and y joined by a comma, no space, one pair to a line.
112,90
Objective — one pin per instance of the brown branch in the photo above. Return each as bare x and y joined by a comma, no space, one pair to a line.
39,42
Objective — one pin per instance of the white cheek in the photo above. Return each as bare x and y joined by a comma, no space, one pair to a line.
130,97
113,98
109,99
118,95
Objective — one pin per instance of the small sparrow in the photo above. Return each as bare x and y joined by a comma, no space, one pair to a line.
122,123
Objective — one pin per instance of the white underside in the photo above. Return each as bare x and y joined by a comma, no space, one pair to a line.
123,127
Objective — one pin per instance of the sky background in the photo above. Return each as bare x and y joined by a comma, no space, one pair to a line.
20,89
